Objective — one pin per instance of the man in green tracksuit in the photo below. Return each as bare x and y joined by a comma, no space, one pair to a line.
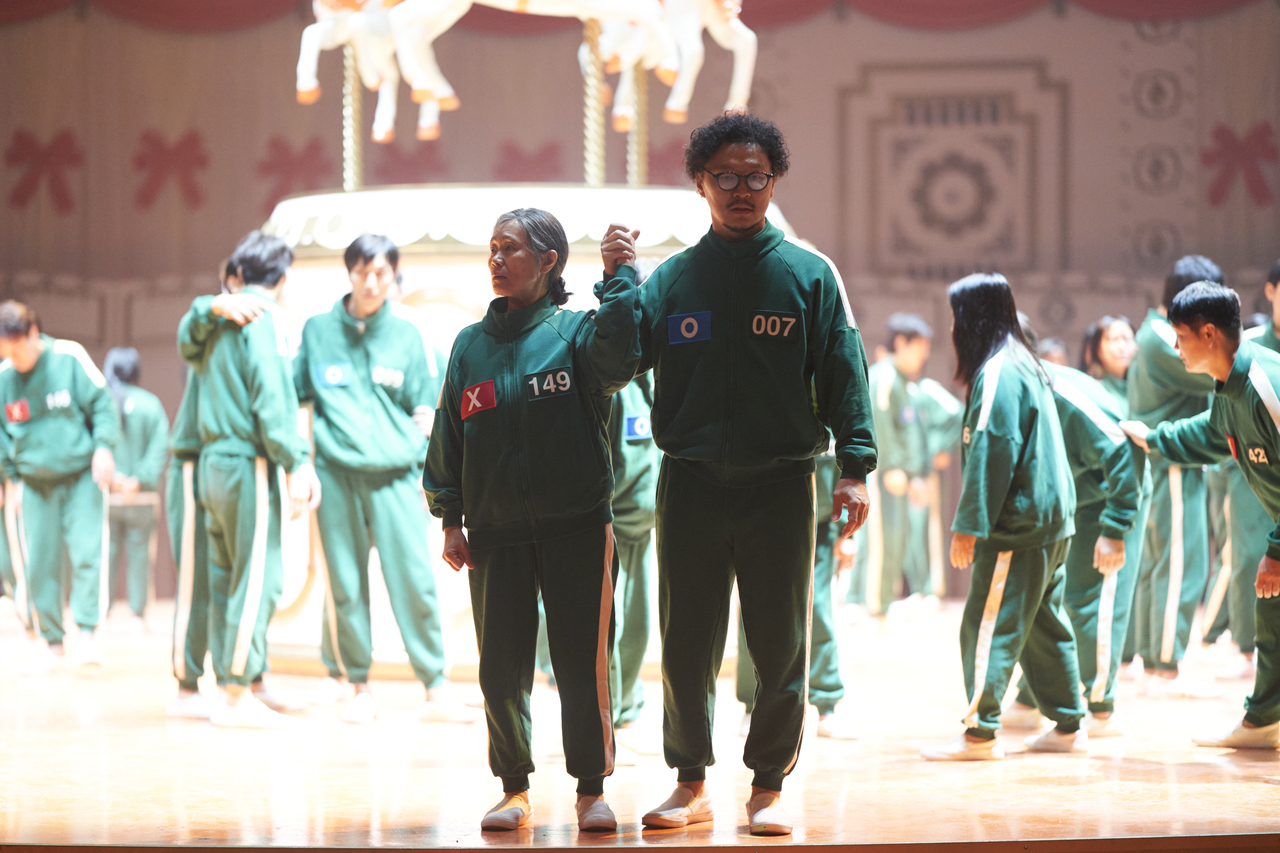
375,383
1112,485
1244,424
62,426
755,356
1175,560
635,475
248,422
140,460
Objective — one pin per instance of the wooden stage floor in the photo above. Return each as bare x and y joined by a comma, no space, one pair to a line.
91,759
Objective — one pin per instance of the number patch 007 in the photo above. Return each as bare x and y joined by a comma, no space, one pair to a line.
775,325
548,383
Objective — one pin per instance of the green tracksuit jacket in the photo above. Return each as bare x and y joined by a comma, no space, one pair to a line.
56,416
748,406
519,451
1244,423
1018,498
141,454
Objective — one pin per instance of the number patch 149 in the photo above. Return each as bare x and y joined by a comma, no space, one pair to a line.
549,383
776,325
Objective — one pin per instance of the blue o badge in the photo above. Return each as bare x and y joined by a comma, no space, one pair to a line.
689,328
336,374
638,428
909,415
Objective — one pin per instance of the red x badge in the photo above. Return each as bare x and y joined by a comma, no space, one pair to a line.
477,398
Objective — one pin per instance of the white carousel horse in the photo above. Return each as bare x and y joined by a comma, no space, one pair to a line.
415,24
686,19
364,25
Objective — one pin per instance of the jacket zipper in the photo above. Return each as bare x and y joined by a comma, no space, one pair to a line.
727,441
516,433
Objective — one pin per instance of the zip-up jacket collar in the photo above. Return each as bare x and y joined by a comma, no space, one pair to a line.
360,327
766,241
1238,378
508,325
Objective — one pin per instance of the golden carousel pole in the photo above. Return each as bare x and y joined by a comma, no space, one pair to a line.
638,136
352,123
593,109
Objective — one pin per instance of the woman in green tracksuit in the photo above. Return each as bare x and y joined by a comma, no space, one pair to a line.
140,460
1013,525
519,453
1112,484
1108,350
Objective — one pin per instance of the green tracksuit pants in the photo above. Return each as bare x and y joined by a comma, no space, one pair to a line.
906,548
1231,597
1175,565
8,579
1015,614
241,497
190,541
66,512
575,575
707,534
133,538
363,509
1262,707
825,685
1100,608
631,634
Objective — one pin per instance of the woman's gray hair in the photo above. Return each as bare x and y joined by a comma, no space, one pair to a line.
545,234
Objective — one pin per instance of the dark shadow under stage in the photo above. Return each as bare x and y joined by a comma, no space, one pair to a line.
90,759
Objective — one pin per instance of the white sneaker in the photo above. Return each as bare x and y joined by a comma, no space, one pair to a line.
1236,668
1180,687
131,625
248,713
1263,737
1112,726
279,702
361,711
1132,671
594,815
836,727
511,812
1056,741
765,815
1016,716
86,651
682,808
960,748
40,658
327,692
189,706
744,726
450,711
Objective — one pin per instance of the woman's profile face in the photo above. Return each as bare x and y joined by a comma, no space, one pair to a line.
515,269
1117,348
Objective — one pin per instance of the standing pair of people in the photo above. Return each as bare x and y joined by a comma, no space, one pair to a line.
756,361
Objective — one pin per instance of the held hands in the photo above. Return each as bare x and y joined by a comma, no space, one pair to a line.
962,550
457,553
103,467
240,308
1268,585
618,248
850,493
1137,431
304,490
1108,555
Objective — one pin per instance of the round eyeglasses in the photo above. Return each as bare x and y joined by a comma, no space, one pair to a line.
728,181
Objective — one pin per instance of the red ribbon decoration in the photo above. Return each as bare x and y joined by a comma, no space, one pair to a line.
516,164
305,169
162,162
1232,155
51,161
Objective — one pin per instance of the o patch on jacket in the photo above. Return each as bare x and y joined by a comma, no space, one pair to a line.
17,412
477,398
689,328
336,374
637,428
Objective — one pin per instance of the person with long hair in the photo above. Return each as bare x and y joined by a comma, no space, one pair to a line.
1106,354
1012,526
519,454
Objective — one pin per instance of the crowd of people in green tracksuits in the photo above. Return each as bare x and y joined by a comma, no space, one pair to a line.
720,404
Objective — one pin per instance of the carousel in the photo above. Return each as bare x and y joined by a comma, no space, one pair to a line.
443,230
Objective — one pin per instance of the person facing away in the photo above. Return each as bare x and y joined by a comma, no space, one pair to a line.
62,427
1244,424
757,362
140,459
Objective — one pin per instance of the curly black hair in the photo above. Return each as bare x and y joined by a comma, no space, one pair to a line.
736,128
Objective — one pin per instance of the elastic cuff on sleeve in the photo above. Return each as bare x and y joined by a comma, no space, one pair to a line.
451,519
1110,531
1273,549
852,468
